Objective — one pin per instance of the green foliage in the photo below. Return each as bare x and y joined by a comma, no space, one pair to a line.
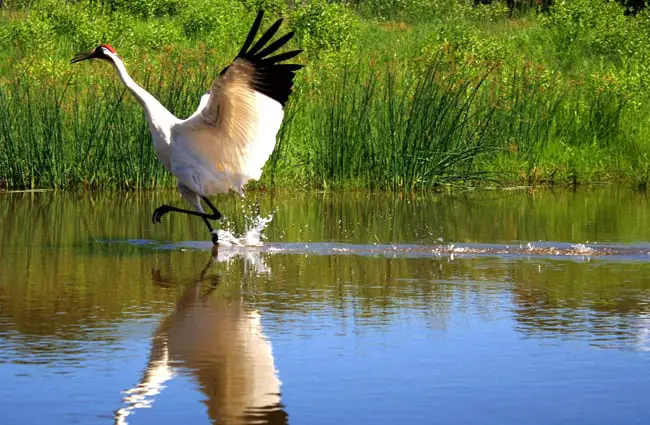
323,26
409,10
146,8
73,23
592,27
199,19
488,13
163,33
30,34
272,7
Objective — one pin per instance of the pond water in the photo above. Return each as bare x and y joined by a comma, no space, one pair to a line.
504,307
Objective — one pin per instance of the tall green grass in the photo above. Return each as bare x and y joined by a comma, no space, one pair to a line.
85,133
373,130
398,100
367,127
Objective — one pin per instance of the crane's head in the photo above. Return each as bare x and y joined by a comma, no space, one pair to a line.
103,51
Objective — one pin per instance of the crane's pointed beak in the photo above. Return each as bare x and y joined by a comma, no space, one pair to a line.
83,56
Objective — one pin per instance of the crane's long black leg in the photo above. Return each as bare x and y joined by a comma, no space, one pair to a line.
215,212
215,236
164,209
214,209
216,215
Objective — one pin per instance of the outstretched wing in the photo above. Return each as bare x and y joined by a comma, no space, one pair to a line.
235,130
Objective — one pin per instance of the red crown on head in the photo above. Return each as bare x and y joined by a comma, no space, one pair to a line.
109,47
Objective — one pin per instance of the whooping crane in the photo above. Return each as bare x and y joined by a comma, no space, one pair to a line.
231,135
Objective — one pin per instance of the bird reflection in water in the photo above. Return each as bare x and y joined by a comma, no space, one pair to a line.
220,344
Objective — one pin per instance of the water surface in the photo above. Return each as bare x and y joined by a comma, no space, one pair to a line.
503,307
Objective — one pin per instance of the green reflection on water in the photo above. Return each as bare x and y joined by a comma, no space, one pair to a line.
608,214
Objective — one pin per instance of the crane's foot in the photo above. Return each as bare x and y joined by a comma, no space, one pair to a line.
159,212
215,237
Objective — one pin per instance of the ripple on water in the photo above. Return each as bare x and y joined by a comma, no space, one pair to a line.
253,238
576,252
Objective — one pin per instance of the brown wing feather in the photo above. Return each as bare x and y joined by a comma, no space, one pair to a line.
224,92
234,113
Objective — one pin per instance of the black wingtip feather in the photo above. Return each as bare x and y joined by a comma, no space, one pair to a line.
272,78
252,33
275,45
281,57
265,37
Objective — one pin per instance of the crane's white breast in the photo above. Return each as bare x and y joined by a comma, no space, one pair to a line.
211,160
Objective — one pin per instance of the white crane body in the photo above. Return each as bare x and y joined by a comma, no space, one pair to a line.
229,138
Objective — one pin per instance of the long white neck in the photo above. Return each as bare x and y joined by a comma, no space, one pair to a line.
159,118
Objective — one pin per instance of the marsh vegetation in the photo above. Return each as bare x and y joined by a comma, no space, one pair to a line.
397,95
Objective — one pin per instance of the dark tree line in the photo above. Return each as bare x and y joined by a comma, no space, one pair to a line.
632,7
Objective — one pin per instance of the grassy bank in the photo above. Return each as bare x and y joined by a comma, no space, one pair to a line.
399,95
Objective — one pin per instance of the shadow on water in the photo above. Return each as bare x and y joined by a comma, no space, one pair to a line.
218,341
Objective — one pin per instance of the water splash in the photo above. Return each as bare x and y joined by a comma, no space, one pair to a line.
581,248
252,236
